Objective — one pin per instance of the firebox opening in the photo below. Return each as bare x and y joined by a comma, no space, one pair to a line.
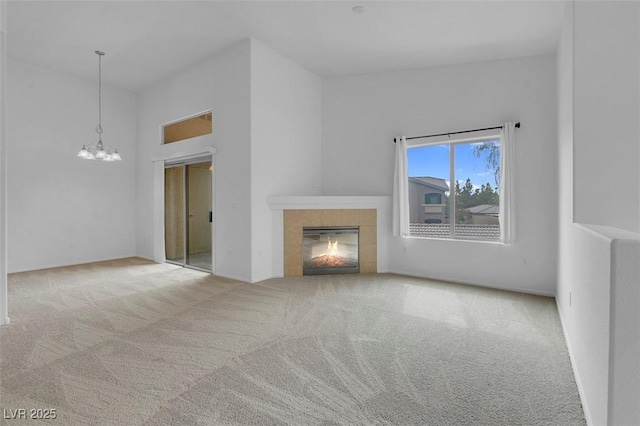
330,250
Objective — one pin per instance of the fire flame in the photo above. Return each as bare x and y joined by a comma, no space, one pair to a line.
332,248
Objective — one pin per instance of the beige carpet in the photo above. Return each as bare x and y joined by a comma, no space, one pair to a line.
132,342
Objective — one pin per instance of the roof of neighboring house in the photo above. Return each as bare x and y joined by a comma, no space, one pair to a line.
442,230
430,181
486,209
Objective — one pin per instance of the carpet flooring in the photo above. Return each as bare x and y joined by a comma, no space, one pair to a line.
131,342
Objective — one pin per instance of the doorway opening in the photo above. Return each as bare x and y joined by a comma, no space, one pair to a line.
188,213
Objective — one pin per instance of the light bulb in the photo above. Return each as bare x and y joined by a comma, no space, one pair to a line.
83,152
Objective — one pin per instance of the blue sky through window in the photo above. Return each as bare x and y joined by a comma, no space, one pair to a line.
433,161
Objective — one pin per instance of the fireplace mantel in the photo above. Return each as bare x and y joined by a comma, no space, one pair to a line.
328,202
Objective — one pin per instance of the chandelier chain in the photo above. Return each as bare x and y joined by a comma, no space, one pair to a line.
100,91
99,128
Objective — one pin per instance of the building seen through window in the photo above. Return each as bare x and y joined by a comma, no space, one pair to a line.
468,208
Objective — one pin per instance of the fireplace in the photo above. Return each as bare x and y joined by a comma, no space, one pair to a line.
295,220
330,250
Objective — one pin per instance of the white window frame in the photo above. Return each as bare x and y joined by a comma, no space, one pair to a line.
483,135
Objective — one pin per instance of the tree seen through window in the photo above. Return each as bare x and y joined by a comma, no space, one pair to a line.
474,193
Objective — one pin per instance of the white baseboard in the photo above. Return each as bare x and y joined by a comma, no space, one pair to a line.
496,287
62,265
574,367
5,321
151,259
266,278
232,277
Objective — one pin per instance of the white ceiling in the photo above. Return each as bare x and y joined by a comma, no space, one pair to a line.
148,41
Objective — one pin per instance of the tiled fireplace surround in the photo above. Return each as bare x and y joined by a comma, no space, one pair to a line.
295,220
372,214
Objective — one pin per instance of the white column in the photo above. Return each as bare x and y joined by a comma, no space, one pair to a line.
4,304
158,212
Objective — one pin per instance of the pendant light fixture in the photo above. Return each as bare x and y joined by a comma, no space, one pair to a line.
99,151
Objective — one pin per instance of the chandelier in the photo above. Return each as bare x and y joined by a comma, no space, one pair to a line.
100,150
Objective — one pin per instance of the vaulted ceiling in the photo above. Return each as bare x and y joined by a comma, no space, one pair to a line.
149,41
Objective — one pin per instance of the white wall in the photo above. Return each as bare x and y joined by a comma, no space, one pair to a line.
565,158
220,84
362,114
624,350
569,288
4,306
598,290
285,145
63,210
586,318
606,112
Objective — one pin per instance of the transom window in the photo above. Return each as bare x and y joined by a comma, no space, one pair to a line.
454,189
188,128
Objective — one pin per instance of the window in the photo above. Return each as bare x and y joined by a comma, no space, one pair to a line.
433,198
468,208
188,128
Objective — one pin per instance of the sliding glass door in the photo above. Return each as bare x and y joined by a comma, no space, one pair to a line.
199,215
174,214
188,214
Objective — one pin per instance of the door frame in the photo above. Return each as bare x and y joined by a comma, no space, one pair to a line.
158,198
